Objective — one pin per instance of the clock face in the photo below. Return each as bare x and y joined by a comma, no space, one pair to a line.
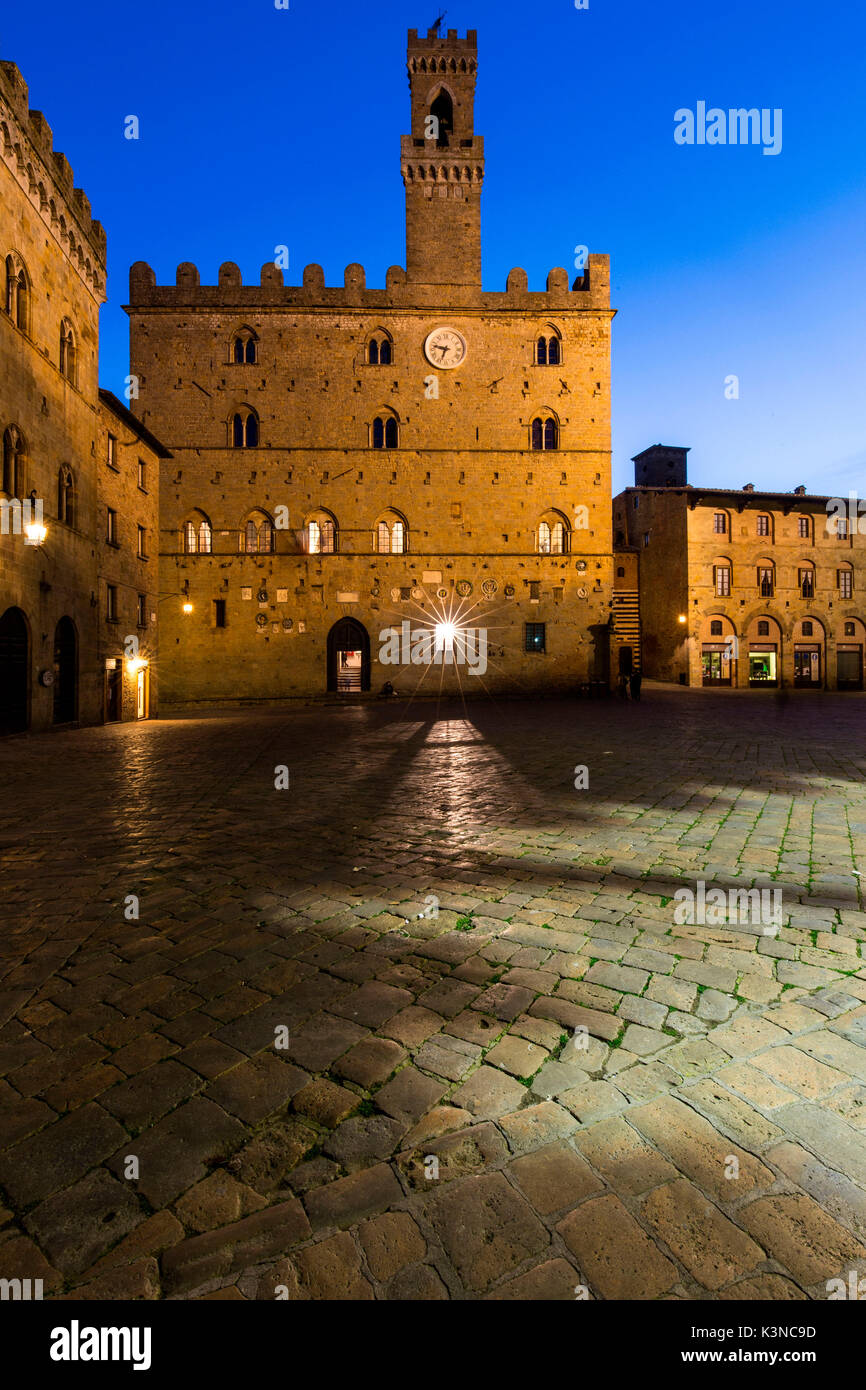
445,348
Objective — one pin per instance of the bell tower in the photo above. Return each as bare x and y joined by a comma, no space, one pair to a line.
442,161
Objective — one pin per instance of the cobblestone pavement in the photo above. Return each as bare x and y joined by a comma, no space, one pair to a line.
552,1085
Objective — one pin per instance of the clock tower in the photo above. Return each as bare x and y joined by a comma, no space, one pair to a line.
442,161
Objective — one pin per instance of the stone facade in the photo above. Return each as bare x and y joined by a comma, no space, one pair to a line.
283,490
53,272
744,588
55,562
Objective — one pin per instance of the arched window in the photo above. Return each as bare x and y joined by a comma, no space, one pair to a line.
244,346
17,292
553,535
442,107
197,535
68,353
547,353
379,351
806,581
845,581
321,535
65,497
766,581
390,536
14,451
544,433
383,434
244,429
620,572
257,535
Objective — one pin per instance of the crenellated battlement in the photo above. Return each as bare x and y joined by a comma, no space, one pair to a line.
435,42
590,291
45,174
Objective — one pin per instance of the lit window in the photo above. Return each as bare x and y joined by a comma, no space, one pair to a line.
390,537
141,608
534,637
257,536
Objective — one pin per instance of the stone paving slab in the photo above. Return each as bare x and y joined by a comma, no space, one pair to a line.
285,1074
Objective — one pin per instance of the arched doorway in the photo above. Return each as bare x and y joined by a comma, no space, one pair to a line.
14,671
65,672
764,641
809,653
348,657
719,650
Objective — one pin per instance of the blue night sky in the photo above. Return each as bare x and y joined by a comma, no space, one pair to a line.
261,127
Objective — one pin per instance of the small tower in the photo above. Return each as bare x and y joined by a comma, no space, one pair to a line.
442,161
661,465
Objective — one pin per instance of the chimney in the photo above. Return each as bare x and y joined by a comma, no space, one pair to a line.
748,487
800,490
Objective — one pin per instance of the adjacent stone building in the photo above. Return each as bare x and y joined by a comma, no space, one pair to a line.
55,568
739,587
406,484
128,549
53,270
